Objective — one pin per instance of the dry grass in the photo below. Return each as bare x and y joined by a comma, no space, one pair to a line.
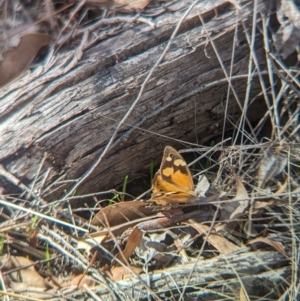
244,246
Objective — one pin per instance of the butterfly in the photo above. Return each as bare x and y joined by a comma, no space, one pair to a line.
173,183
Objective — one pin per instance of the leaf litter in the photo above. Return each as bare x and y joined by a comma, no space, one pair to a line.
17,60
134,237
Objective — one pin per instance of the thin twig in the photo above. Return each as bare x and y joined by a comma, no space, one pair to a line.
52,219
37,174
14,180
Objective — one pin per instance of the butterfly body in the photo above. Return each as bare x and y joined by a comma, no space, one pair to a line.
173,183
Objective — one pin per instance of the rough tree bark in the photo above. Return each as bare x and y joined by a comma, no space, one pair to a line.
261,274
68,109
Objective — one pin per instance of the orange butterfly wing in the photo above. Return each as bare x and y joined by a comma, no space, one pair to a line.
173,183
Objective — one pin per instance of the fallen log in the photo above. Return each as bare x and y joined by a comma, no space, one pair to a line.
62,115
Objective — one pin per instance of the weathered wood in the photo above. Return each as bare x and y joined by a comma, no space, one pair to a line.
70,108
261,272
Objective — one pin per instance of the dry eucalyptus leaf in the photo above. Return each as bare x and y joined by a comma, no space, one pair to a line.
222,244
270,166
241,196
119,273
120,213
275,244
24,278
287,38
13,36
233,208
81,280
263,204
121,5
236,206
17,60
132,242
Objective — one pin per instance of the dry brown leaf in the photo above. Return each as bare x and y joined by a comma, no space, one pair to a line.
18,261
87,280
132,242
241,192
159,223
121,5
33,240
282,188
119,273
168,220
275,244
27,277
123,212
242,195
220,243
17,60
287,37
270,166
263,204
234,207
